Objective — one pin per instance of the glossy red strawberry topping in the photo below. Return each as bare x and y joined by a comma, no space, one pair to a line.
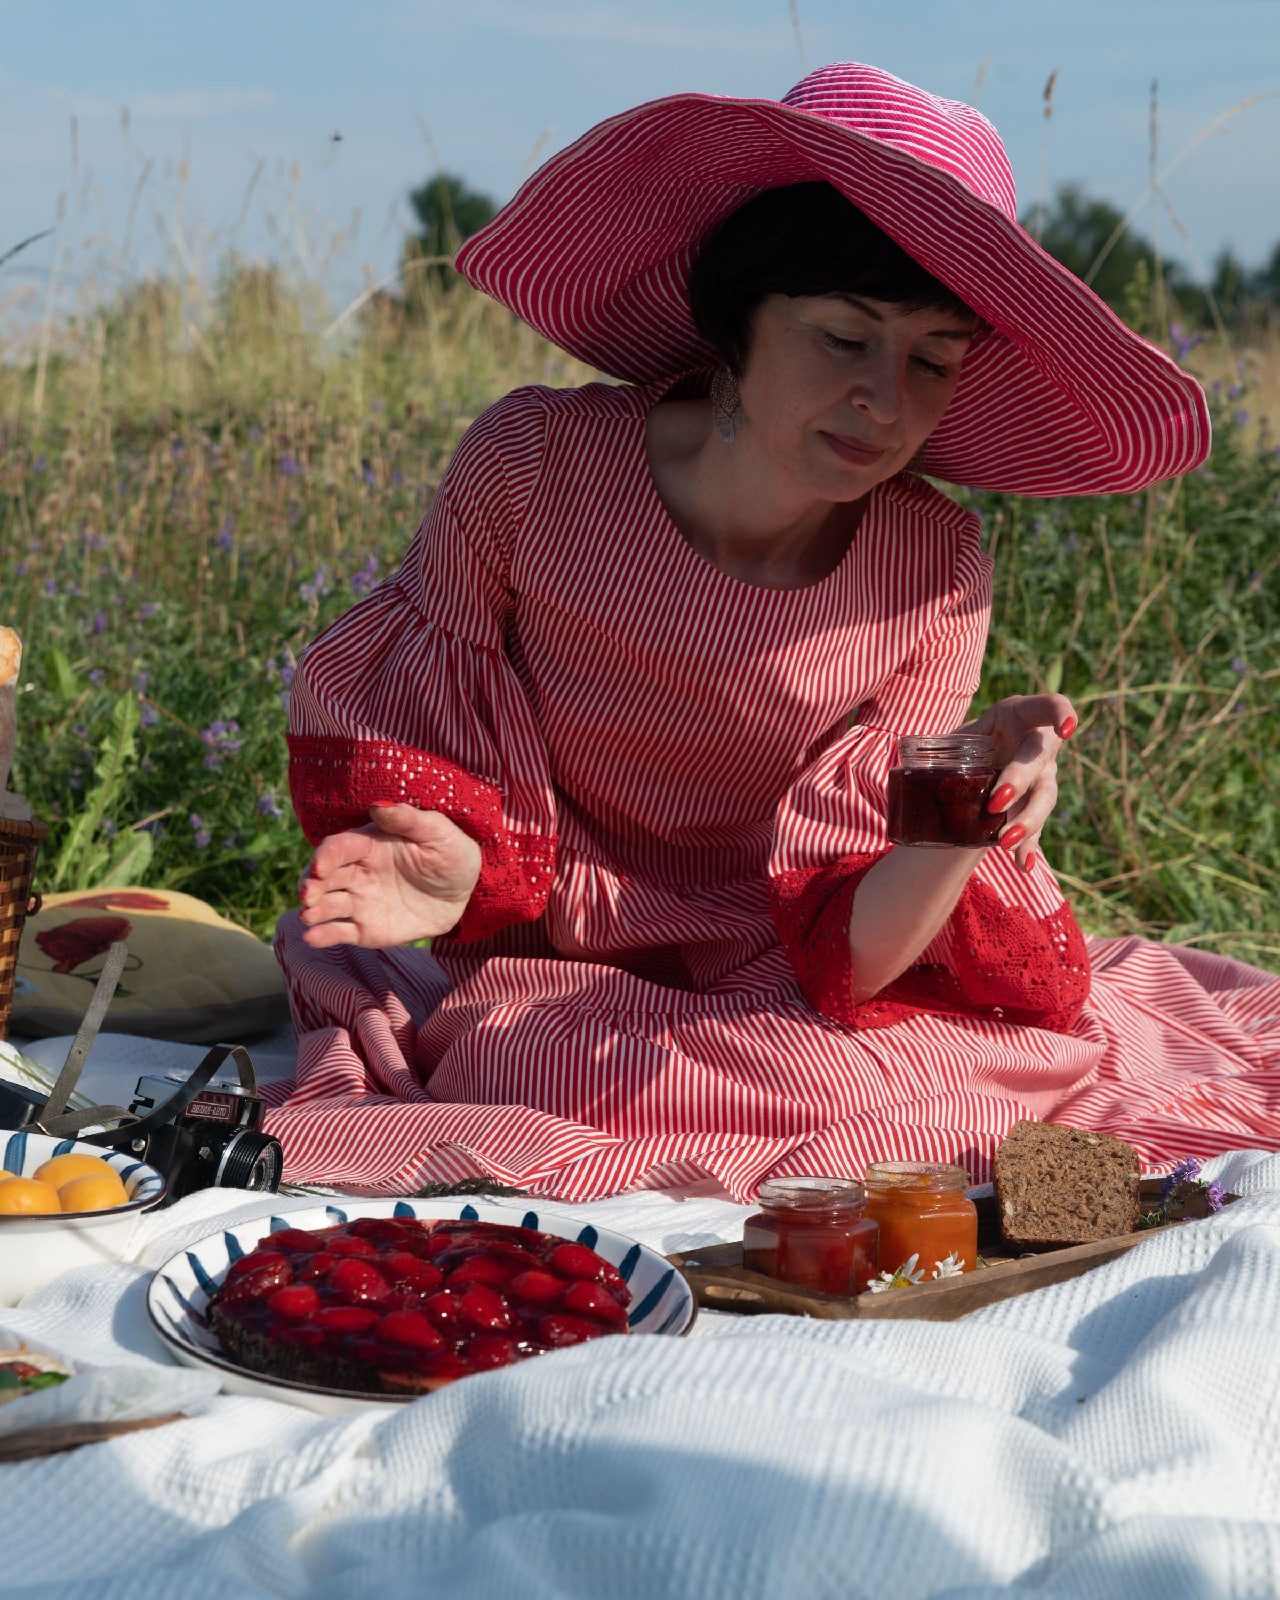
435,1299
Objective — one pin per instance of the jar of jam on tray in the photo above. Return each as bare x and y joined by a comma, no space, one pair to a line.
922,1211
939,790
812,1232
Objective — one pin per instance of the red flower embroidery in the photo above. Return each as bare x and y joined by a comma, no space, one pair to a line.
75,943
121,900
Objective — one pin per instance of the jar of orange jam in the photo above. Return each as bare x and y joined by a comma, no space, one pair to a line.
922,1211
812,1232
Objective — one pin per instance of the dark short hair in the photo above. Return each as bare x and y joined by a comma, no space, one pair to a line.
801,239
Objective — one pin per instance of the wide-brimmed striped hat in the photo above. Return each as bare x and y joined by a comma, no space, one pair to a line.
1058,398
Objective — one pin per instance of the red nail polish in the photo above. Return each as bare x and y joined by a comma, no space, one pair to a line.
1029,862
1068,727
1012,837
1001,798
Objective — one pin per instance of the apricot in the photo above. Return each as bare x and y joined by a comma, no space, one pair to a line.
58,1170
94,1191
28,1197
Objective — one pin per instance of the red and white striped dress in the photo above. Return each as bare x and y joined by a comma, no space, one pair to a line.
677,780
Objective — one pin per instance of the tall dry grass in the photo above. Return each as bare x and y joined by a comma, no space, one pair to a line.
194,480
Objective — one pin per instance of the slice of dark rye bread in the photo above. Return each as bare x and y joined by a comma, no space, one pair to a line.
1060,1186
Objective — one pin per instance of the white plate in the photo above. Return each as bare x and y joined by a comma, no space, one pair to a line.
661,1301
35,1248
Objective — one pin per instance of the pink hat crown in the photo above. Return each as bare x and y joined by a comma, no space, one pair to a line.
943,133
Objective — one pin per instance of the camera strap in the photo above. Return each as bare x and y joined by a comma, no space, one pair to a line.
52,1116
167,1110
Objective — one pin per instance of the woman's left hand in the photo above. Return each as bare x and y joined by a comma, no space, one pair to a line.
1029,730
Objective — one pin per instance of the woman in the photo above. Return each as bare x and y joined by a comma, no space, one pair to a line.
616,736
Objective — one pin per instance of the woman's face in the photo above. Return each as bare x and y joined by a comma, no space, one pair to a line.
841,391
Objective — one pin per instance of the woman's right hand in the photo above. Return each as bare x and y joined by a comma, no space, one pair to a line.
406,875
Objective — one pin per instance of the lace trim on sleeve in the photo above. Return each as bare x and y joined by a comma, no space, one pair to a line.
334,781
1008,964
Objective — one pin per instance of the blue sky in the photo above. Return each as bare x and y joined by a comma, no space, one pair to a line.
487,88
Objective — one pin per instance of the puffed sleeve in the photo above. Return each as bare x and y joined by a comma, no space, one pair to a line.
1011,949
411,697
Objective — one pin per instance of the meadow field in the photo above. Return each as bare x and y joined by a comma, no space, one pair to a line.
191,488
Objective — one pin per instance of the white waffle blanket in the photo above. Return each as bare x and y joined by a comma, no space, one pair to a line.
1116,1436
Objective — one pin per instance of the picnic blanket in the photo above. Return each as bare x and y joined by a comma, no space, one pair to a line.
1114,1436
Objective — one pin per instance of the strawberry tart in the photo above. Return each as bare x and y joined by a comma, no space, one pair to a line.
397,1306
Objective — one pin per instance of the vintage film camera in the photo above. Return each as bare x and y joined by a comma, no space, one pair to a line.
202,1131
209,1135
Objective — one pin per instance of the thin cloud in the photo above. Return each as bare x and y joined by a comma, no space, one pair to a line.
182,105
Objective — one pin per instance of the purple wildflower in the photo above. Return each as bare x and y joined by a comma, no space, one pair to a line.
76,780
1183,343
396,478
147,610
221,741
289,467
50,586
148,716
1071,543
1214,1196
39,464
203,836
370,477
1241,417
141,680
97,675
225,539
1239,664
1186,1171
99,622
255,433
317,588
21,569
269,807
367,578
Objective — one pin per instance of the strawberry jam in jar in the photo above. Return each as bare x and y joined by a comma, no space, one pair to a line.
812,1232
939,790
922,1211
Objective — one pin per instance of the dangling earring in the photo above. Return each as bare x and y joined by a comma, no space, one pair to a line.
726,404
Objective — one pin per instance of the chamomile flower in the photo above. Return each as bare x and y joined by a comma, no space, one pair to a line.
949,1267
905,1277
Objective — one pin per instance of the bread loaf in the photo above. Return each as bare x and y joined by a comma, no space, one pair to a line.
1060,1186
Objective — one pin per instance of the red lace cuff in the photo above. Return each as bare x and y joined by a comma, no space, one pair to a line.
334,781
1006,963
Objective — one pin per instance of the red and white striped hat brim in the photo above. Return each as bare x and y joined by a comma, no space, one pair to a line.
1059,398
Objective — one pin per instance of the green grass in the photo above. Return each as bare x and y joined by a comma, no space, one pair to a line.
184,504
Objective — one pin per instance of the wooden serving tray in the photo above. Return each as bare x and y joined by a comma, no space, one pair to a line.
722,1283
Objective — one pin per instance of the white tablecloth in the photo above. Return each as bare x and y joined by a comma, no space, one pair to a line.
1111,1438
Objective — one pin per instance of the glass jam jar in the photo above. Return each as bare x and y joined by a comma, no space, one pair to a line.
922,1211
812,1232
939,790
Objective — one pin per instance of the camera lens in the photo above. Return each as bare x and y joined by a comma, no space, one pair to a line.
251,1161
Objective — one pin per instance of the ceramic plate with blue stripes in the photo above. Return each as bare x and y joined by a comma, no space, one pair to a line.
661,1301
21,1152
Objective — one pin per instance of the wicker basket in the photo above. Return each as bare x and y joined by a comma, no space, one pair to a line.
19,847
